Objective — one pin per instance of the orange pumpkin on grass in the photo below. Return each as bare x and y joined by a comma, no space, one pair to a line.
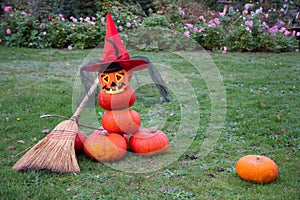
256,168
148,142
105,147
121,121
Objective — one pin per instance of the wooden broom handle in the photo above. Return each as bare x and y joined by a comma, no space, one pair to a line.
85,100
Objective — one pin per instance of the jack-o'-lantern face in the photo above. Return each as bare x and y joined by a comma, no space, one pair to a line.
114,82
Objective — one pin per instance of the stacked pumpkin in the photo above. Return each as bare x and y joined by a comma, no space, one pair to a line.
120,122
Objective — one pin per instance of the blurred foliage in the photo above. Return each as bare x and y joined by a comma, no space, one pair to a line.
81,24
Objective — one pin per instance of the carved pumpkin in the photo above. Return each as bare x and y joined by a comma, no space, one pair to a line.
256,168
121,100
121,121
114,81
105,147
149,142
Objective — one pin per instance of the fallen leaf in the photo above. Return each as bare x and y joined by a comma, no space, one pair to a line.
263,104
192,157
21,141
278,117
288,144
11,147
163,188
45,131
220,169
277,132
211,175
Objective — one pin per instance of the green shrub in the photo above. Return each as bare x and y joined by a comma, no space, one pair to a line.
168,31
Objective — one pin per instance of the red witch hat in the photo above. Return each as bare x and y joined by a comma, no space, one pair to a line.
115,52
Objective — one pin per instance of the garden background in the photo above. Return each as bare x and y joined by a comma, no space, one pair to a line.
44,42
81,24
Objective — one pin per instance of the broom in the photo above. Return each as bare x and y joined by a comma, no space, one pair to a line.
56,152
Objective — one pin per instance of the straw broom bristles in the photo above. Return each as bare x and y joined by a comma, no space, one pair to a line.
53,151
56,152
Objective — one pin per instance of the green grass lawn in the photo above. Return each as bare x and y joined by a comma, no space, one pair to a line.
262,116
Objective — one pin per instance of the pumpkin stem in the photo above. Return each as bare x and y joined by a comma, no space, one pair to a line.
104,132
152,129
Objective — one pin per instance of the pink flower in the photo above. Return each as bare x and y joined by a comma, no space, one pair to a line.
42,26
128,24
249,23
294,33
202,18
0,41
120,28
259,11
230,8
70,48
266,16
282,29
87,19
8,31
296,50
181,12
212,25
44,33
224,50
74,20
248,29
298,34
187,34
286,32
7,8
195,30
267,26
221,14
274,28
189,25
217,21
102,20
202,30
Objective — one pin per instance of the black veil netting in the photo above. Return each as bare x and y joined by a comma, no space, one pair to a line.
88,79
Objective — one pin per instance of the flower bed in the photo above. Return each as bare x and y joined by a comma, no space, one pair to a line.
232,32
